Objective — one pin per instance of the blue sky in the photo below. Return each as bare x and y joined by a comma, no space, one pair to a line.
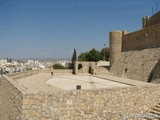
52,28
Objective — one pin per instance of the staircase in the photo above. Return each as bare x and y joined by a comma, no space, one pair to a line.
155,112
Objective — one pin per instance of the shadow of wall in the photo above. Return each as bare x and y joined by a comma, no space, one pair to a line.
155,73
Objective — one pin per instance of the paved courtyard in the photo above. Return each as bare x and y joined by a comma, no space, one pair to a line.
45,82
86,82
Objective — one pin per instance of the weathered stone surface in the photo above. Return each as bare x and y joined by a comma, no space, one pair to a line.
136,55
138,65
10,101
98,104
120,100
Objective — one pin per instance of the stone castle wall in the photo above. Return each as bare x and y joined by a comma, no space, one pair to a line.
10,100
149,21
142,39
140,52
146,38
138,65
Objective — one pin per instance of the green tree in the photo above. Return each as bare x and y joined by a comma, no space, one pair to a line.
82,56
104,53
69,65
93,55
74,58
58,66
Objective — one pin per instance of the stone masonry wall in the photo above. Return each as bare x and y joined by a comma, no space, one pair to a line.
137,65
142,39
102,104
98,104
10,100
115,46
155,19
85,66
62,71
49,70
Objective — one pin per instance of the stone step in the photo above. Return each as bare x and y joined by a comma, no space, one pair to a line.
158,105
155,112
156,109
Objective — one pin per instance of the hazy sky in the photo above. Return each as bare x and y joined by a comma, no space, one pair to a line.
52,28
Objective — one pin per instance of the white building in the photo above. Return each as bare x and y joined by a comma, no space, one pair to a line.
30,61
3,61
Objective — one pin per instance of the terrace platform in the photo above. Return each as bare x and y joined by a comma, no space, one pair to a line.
59,82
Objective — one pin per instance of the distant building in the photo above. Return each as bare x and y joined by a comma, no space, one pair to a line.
64,63
30,61
3,61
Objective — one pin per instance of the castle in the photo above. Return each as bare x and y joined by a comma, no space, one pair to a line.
136,55
29,96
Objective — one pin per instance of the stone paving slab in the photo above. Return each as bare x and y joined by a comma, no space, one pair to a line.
86,82
46,83
36,83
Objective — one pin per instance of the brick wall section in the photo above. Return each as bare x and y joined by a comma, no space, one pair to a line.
102,104
10,100
142,39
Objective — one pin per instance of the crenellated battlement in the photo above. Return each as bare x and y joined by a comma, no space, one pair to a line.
142,39
148,21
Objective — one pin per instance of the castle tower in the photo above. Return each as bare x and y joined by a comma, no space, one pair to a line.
115,46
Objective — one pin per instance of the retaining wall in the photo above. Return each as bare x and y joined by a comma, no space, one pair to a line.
100,104
10,100
104,104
